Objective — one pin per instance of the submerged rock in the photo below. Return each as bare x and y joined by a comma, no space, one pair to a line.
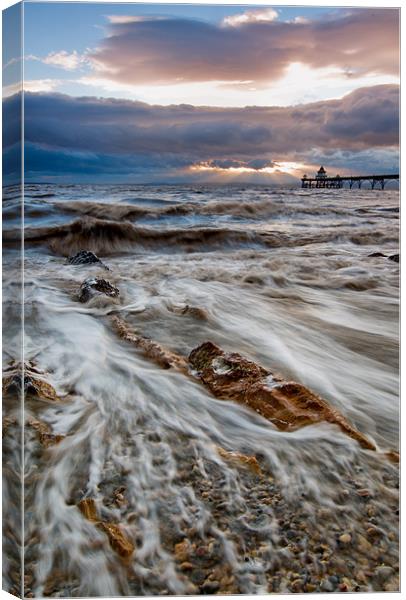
44,433
289,405
149,348
193,311
84,257
394,257
249,461
119,541
96,287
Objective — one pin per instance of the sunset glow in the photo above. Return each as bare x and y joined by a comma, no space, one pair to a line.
290,168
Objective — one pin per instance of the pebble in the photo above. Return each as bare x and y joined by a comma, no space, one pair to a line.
296,585
182,551
345,538
198,576
382,573
364,493
326,585
210,587
363,544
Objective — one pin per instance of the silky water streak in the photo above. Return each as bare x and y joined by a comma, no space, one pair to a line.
141,481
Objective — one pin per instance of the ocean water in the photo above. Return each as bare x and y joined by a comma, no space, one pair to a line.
281,276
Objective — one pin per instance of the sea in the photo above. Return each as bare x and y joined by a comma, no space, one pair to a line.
285,278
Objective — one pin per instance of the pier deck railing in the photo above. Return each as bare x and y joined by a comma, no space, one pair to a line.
338,182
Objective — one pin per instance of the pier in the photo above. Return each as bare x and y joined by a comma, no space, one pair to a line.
321,180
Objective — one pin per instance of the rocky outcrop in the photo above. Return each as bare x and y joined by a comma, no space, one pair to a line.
34,387
149,348
119,541
95,286
394,257
289,405
84,257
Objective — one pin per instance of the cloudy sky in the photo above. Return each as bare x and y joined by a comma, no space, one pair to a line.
171,93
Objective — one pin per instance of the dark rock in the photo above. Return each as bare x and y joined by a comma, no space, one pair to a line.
198,576
95,286
210,587
394,257
84,257
376,255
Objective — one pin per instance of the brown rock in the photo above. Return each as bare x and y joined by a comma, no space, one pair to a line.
119,542
117,538
182,551
7,423
149,348
364,493
249,461
393,456
288,405
44,434
193,311
87,507
34,386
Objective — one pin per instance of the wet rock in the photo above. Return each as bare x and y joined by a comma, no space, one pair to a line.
394,257
376,255
192,311
289,405
44,433
182,551
198,576
119,541
364,493
393,456
249,461
383,573
326,585
87,507
95,287
84,257
210,587
34,386
149,348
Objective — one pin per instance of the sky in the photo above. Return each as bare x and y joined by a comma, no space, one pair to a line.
152,93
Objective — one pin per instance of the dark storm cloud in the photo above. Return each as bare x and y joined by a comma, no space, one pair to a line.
68,134
367,117
173,50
